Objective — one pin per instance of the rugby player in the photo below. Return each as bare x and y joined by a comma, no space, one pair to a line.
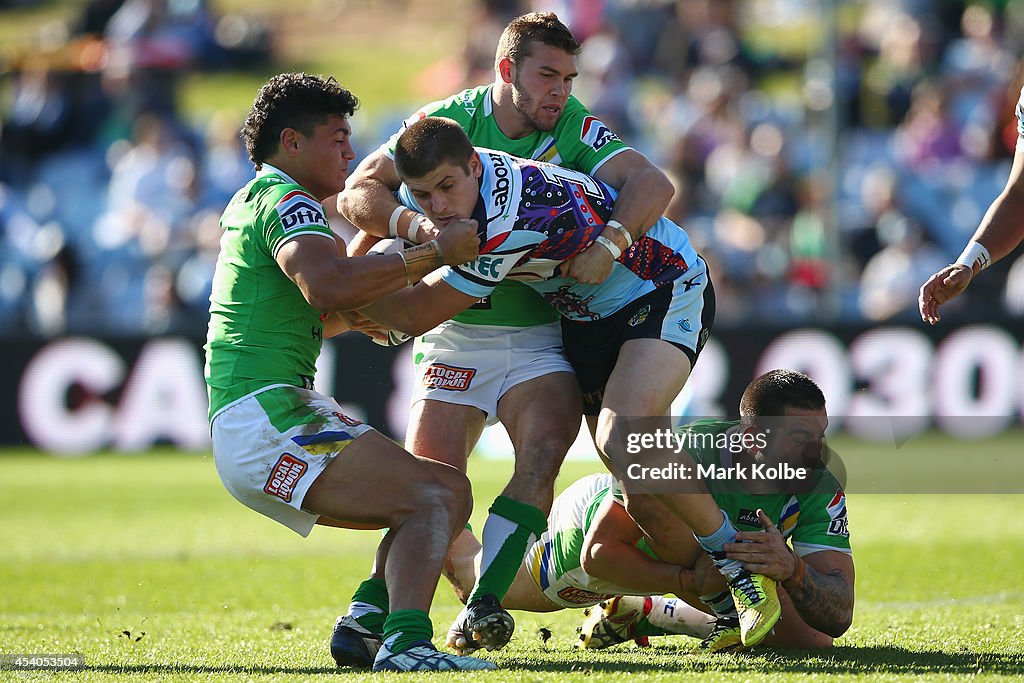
282,283
594,552
631,339
1001,231
501,359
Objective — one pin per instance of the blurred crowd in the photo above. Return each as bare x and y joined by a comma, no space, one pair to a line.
823,178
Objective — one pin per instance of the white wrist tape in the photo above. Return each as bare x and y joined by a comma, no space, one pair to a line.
615,225
609,245
414,227
975,254
393,221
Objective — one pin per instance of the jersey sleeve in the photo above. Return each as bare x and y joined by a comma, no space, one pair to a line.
584,142
822,524
289,211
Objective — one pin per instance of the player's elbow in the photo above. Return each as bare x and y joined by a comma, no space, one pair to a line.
842,624
660,188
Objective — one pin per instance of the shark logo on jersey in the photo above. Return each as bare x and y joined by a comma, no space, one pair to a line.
298,209
837,513
596,134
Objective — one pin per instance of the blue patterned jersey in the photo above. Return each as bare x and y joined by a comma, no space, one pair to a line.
533,216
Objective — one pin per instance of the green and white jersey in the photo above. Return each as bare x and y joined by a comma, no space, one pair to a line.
812,521
262,330
580,141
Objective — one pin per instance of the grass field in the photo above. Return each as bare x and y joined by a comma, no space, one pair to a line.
148,568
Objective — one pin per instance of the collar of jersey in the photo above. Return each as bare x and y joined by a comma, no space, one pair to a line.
273,170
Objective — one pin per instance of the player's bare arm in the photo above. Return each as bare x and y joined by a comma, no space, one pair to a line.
330,282
369,203
644,194
1000,232
820,586
609,552
414,310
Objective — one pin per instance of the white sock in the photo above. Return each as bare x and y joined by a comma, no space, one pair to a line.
677,616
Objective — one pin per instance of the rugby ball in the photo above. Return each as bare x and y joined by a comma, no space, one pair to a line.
390,246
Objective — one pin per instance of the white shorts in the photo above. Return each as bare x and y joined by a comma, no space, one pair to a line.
270,447
475,365
553,561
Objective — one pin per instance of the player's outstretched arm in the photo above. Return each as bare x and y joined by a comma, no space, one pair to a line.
1000,232
330,281
414,310
820,586
368,202
644,194
609,553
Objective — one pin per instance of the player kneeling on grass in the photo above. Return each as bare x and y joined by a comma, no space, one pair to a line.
593,552
282,283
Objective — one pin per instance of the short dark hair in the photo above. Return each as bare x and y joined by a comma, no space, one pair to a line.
770,394
430,142
293,100
540,27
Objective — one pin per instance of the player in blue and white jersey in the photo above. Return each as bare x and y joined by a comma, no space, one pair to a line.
632,339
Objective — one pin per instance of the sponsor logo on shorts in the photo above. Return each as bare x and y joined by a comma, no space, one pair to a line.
449,377
578,596
350,421
837,513
684,325
284,476
595,133
298,209
749,517
640,316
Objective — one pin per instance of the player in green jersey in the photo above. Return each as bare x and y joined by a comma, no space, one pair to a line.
506,351
593,551
782,423
282,283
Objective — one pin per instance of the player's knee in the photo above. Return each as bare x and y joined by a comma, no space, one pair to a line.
450,488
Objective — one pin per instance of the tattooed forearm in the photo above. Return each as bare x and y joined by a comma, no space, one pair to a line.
824,601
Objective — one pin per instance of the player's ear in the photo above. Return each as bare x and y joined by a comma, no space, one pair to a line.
505,67
476,167
290,141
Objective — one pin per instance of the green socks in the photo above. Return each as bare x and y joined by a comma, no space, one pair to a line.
510,529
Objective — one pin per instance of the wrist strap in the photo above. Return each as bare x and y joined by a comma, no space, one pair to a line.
431,250
609,245
393,221
975,255
615,225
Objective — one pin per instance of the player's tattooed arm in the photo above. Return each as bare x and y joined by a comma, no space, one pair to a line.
823,597
820,585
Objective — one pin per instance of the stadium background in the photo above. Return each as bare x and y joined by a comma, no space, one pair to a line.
828,156
826,162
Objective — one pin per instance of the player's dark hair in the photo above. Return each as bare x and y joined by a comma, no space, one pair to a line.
430,142
770,394
294,100
539,27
